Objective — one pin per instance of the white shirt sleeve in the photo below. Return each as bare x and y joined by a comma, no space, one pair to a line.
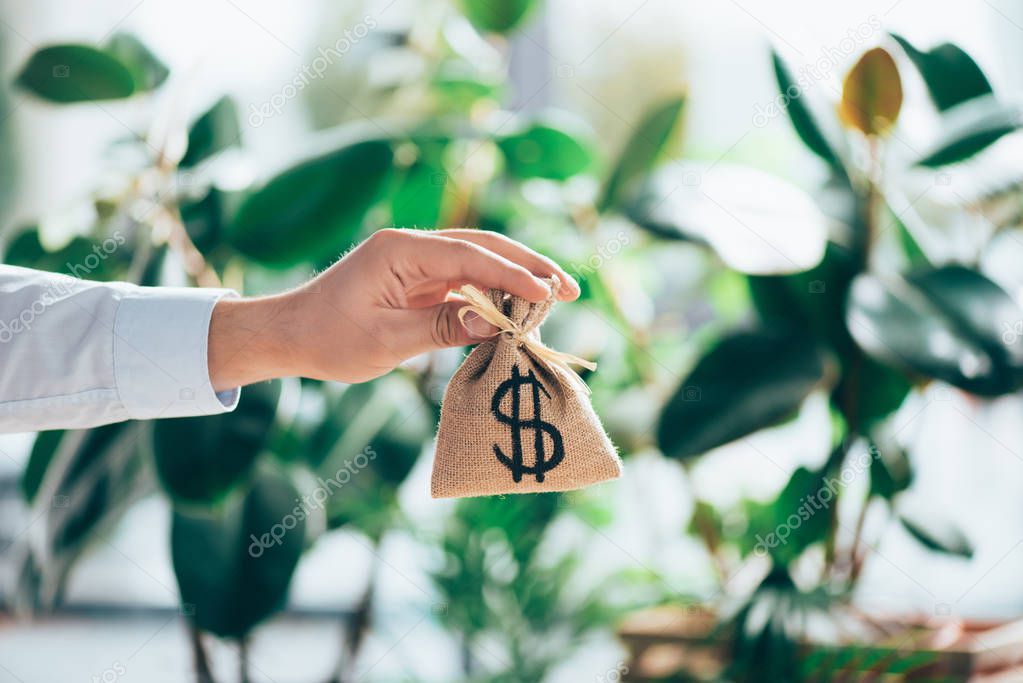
77,354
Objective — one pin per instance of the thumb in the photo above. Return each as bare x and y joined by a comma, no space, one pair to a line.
438,327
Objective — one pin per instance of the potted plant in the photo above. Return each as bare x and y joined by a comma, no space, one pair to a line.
253,489
865,325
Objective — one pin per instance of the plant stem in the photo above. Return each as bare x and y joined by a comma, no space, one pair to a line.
243,660
855,555
201,662
192,259
835,460
708,536
873,207
849,401
467,661
358,625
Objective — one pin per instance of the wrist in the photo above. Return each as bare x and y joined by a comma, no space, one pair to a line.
249,341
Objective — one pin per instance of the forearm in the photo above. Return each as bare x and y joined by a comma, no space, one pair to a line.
252,340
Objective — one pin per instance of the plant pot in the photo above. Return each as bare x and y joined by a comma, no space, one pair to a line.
688,643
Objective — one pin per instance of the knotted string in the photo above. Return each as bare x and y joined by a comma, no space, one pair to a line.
481,305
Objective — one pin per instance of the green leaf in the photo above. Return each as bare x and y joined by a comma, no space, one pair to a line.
951,75
882,391
526,581
79,483
200,459
962,148
546,148
797,518
872,94
908,244
802,118
642,150
812,301
419,198
460,84
417,201
881,662
81,257
234,563
941,538
100,477
749,381
890,472
205,219
43,450
147,71
314,210
216,130
754,221
970,129
767,632
76,73
362,417
496,16
947,323
369,442
706,523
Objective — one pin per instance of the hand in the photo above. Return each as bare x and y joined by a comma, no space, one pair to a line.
387,300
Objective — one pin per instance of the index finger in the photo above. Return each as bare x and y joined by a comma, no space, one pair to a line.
538,264
434,257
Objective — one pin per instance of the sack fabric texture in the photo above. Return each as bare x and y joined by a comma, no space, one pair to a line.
515,418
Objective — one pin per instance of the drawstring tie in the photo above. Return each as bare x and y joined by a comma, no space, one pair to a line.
481,305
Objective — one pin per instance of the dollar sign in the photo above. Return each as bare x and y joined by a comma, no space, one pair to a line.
541,463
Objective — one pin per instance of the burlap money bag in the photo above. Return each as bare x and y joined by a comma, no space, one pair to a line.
515,417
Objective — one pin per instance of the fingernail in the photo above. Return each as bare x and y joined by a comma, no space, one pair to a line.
477,327
573,286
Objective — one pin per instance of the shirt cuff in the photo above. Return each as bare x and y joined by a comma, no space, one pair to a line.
160,353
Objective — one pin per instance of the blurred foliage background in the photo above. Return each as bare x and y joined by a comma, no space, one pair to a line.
774,309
